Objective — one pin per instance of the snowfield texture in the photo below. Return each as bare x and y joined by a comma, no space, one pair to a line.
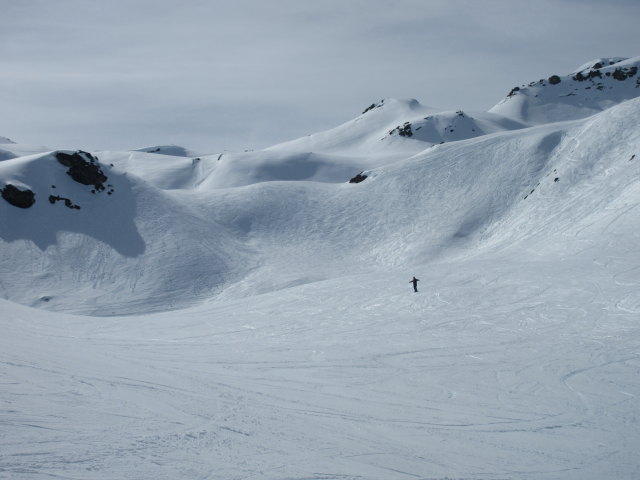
249,315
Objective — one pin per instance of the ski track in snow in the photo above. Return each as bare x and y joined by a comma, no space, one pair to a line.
250,317
341,379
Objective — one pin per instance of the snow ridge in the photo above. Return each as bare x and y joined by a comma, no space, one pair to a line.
594,87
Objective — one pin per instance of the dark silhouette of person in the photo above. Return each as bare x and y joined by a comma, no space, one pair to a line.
415,284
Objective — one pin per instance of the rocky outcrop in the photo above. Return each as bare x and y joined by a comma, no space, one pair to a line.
83,168
403,131
372,106
68,203
622,74
18,198
581,77
358,178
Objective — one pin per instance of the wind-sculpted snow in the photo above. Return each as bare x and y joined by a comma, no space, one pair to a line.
165,172
235,170
171,150
250,315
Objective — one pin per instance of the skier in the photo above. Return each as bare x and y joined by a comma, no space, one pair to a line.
415,284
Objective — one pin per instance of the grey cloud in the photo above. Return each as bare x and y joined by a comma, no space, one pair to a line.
250,73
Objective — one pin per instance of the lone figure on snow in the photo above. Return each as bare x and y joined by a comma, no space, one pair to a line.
415,284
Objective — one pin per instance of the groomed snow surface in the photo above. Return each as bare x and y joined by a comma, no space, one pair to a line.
250,316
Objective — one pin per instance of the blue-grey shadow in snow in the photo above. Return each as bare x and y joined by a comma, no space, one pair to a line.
108,218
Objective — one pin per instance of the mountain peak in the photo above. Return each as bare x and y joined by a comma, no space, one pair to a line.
595,86
599,63
403,103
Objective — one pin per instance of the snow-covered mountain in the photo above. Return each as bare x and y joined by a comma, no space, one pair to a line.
593,87
179,230
248,314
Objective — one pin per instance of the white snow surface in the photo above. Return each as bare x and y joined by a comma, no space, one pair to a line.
173,150
249,315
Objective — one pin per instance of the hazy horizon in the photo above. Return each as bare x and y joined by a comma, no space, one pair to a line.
213,75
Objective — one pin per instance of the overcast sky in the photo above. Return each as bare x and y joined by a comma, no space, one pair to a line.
238,74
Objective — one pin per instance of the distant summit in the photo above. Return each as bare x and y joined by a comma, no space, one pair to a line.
4,140
593,87
172,150
392,125
600,63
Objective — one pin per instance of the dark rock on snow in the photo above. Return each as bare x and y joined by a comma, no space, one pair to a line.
18,198
580,77
370,107
83,168
403,131
624,73
358,178
373,105
68,203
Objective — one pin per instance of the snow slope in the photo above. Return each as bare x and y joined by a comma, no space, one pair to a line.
172,150
499,368
448,199
6,155
249,315
120,251
394,127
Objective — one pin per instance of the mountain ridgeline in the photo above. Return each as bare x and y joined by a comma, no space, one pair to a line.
160,228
